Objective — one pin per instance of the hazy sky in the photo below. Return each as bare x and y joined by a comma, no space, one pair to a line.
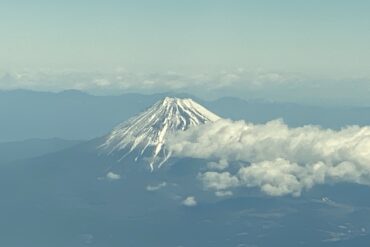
323,37
326,40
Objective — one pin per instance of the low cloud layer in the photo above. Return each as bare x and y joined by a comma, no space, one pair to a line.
277,159
249,83
121,79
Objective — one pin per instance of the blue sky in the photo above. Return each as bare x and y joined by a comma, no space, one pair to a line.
322,37
326,40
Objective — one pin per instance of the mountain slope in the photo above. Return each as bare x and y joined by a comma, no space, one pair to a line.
11,151
144,135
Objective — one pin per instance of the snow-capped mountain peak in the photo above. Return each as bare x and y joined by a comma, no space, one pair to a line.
144,135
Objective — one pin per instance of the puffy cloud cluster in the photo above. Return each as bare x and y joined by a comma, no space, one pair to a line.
221,165
219,181
277,159
189,201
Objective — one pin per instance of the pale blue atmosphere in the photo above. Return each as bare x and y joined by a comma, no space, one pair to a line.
321,38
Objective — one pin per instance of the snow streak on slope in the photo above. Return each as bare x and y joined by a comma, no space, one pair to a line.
145,134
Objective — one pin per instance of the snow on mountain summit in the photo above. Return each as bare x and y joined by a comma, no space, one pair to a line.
144,135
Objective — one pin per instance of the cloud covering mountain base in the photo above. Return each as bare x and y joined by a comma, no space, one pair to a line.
277,159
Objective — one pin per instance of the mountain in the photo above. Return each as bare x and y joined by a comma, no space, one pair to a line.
79,197
144,135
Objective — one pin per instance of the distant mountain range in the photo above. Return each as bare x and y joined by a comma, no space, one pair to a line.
75,115
18,150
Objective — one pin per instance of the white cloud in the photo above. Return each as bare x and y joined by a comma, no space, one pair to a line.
156,187
277,159
223,193
189,201
113,176
281,177
221,165
218,181
102,82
